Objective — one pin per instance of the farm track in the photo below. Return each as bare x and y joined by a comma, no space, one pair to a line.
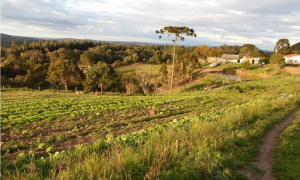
292,70
265,157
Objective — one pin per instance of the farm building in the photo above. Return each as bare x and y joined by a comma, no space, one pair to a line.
252,60
212,59
230,58
292,59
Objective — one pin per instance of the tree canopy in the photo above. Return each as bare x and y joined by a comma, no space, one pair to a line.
131,82
250,50
101,74
202,51
62,68
295,49
277,59
283,46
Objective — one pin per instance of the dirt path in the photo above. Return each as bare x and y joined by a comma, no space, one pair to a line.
265,157
292,70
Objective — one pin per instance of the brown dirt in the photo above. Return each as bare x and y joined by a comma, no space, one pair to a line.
292,70
265,157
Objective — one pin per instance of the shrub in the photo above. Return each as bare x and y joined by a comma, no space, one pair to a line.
246,65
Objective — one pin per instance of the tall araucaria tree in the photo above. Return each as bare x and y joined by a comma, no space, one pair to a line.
178,32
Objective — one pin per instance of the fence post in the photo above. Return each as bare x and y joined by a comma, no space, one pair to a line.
240,118
177,145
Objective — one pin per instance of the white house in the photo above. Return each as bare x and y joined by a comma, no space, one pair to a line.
292,59
252,60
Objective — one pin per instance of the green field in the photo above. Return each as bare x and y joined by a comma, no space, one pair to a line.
46,135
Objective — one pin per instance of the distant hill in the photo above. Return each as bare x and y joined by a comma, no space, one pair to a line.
296,48
132,43
109,42
7,39
267,51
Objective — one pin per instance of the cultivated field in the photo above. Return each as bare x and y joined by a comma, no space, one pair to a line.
193,135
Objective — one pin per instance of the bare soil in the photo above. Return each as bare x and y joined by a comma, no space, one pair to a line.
265,157
292,70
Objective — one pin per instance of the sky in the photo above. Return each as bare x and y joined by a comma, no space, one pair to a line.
216,22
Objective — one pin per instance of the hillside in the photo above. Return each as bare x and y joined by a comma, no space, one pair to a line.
7,39
295,49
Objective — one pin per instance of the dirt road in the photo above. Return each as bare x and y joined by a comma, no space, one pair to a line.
265,157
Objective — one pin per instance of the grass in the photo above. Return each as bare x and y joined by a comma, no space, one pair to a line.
287,155
219,132
121,71
229,66
213,146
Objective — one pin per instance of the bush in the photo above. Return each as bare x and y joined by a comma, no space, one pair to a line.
229,71
246,65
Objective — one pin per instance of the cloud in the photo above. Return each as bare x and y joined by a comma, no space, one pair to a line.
216,22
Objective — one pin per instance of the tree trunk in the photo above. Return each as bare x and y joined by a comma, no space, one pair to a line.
191,77
101,86
173,61
145,89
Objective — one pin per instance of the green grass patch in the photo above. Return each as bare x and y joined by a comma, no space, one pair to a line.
287,155
229,66
123,70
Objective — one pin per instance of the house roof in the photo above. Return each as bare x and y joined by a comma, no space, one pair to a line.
291,55
230,56
249,58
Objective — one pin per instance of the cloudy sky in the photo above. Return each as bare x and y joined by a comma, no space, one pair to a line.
216,22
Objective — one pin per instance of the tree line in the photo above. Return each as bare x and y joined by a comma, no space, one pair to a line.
91,65
75,63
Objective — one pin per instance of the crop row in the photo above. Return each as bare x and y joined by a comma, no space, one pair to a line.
25,111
